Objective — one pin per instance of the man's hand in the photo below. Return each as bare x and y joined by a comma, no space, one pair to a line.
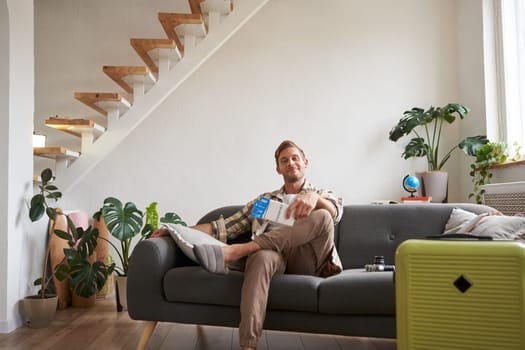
160,232
303,205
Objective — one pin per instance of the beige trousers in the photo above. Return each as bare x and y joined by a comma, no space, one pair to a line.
305,248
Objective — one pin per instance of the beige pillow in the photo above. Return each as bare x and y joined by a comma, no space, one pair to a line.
458,220
492,224
500,227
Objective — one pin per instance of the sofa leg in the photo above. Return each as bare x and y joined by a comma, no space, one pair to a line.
146,334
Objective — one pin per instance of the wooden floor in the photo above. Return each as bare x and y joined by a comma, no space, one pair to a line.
101,327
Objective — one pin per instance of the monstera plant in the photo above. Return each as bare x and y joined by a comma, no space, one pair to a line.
125,222
427,128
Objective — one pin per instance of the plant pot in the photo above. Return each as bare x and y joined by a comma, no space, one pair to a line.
108,288
57,245
39,311
102,248
78,301
121,283
435,184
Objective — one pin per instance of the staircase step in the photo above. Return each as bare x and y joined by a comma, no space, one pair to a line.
223,7
127,76
177,25
148,49
55,152
75,126
101,101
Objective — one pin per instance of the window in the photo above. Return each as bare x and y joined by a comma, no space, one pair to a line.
510,19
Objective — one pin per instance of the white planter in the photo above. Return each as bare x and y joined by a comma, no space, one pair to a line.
39,312
435,184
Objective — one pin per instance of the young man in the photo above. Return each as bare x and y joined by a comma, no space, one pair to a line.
305,248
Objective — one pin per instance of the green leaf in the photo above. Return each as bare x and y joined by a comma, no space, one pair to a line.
70,254
416,148
87,279
472,144
46,175
54,195
152,215
123,222
36,211
147,231
88,241
51,213
97,215
63,234
72,228
62,272
172,218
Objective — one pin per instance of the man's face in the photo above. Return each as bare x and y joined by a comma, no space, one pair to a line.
291,164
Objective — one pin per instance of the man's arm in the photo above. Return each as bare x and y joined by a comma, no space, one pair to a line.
206,228
306,203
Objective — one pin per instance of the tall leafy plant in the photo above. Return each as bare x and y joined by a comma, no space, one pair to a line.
126,221
427,128
85,278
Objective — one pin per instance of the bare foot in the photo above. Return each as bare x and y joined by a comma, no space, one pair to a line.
237,251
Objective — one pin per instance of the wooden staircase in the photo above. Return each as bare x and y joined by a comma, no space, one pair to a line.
191,38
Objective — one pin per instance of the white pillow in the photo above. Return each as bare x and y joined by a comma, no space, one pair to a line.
458,220
501,227
492,224
186,237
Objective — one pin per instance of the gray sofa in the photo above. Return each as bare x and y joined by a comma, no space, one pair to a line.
165,286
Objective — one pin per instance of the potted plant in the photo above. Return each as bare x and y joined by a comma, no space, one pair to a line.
84,277
427,127
487,156
125,222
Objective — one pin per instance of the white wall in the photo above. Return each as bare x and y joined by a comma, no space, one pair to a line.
16,22
334,76
4,149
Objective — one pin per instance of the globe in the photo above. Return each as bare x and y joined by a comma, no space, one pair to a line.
411,184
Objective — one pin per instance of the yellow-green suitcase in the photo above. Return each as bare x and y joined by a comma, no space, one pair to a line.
460,295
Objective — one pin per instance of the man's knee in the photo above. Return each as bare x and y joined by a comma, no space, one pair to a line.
323,217
264,259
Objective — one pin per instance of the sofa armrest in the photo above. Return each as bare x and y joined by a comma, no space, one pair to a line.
150,261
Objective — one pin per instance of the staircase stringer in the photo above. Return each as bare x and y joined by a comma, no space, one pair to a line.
106,143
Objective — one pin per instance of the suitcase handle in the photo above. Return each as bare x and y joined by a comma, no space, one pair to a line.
465,236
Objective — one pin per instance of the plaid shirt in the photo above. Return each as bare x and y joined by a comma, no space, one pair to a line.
242,222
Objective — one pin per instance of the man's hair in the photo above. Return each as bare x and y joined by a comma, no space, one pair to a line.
284,145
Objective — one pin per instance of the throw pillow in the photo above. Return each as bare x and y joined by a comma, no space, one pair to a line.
500,227
492,224
186,237
458,220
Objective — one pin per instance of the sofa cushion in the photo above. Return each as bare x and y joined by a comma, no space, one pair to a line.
294,292
358,292
192,284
